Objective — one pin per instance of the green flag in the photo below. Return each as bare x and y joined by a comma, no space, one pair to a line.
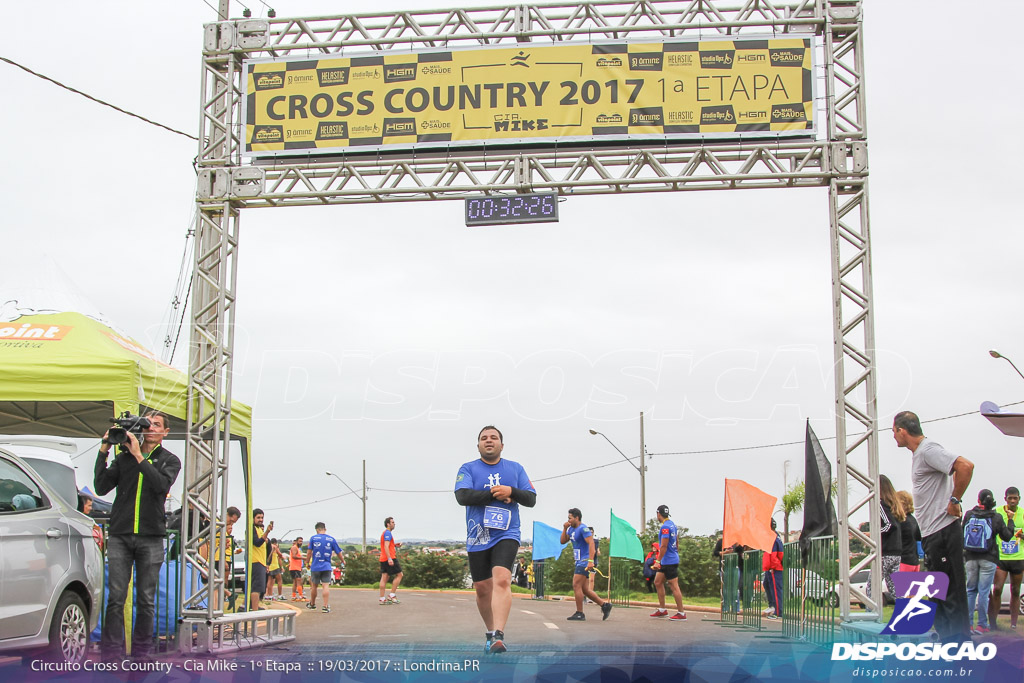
623,541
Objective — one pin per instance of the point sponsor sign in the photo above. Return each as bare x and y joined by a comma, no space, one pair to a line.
618,91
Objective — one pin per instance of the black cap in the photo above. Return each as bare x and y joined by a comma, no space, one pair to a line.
663,510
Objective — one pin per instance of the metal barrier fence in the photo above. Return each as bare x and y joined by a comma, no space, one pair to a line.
752,595
730,588
620,580
811,598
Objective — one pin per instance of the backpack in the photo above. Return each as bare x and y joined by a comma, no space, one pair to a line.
978,534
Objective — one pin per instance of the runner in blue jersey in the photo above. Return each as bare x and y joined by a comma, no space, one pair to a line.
667,566
322,547
583,552
492,489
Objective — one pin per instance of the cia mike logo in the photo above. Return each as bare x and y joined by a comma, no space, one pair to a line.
915,613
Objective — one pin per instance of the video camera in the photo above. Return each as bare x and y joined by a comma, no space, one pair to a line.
124,423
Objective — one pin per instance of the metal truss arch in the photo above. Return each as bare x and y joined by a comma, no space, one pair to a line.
229,183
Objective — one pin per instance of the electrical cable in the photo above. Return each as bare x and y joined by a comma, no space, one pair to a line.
96,100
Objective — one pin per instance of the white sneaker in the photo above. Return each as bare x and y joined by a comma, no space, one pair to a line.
768,612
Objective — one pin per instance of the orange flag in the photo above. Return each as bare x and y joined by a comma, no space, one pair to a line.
748,516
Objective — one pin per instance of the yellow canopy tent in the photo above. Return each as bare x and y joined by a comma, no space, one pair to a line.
66,374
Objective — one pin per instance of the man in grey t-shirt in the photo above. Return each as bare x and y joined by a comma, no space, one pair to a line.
940,478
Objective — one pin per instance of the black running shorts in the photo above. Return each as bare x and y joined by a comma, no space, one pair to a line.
671,571
501,554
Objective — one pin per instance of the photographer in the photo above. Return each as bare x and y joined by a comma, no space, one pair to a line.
143,475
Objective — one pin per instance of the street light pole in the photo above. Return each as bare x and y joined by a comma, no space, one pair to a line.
364,506
363,498
996,354
643,478
643,482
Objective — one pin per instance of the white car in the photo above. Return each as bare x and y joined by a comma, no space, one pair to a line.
817,588
51,567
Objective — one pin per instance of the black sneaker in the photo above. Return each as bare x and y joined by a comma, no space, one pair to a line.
487,643
310,605
326,610
606,610
498,643
577,616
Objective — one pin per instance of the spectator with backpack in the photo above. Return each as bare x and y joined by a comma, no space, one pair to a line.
982,524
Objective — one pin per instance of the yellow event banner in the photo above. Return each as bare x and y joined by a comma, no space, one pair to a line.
528,94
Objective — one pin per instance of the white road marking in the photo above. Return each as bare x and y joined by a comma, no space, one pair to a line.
550,625
463,599
526,611
346,636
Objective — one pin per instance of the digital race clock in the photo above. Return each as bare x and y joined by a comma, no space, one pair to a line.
541,207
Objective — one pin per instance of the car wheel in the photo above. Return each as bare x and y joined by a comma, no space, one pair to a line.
832,600
69,630
1022,605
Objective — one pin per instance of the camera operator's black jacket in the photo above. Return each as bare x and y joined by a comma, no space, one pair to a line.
135,511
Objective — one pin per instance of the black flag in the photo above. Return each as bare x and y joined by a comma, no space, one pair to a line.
819,513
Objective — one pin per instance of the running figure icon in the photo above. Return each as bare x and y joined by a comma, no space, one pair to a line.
914,607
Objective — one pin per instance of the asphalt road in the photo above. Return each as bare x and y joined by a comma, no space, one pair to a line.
431,618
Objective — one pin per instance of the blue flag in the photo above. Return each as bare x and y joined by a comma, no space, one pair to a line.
546,541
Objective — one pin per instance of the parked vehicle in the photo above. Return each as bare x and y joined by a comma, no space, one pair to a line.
51,576
817,588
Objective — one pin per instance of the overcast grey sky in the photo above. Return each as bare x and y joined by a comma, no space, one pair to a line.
393,333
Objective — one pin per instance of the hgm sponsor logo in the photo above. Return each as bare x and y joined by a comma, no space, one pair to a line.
613,61
753,58
269,80
609,118
722,114
332,130
788,113
646,116
395,73
266,134
717,59
793,56
399,127
337,76
645,61
757,116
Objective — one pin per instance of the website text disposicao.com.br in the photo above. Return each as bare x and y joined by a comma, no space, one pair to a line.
907,660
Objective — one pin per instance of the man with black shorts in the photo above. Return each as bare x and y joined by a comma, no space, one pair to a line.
1011,558
295,561
667,566
322,547
583,552
492,489
389,566
258,559
940,479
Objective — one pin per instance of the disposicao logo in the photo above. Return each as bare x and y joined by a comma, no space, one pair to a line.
914,614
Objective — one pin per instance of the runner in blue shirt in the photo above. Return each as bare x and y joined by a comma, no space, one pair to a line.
322,547
667,566
583,552
491,489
